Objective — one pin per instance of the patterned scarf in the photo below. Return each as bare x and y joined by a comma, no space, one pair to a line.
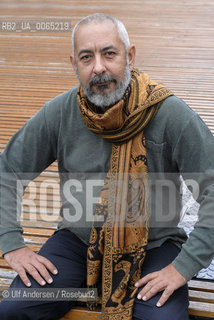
117,246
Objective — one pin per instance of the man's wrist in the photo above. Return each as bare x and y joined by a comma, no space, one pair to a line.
11,241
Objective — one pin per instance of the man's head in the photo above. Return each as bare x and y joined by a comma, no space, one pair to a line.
102,58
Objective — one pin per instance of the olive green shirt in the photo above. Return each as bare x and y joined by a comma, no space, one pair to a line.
177,143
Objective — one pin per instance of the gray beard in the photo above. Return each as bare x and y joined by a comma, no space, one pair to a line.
107,99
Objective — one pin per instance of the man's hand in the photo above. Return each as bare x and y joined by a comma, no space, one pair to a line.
167,280
24,261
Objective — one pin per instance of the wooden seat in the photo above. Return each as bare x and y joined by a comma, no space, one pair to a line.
173,47
201,293
201,296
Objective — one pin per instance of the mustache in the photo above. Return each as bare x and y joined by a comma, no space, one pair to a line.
99,79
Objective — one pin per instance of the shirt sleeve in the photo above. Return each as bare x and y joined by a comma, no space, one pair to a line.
194,155
28,153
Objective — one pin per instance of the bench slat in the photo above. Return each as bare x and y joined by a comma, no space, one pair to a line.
201,309
201,285
81,313
201,296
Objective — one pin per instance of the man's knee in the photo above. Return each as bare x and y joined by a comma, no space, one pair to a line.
175,308
10,310
26,310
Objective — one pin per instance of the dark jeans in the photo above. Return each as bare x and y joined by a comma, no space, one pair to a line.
176,307
68,254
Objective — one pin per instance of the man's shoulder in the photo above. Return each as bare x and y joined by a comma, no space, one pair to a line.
174,110
62,109
63,99
175,106
172,118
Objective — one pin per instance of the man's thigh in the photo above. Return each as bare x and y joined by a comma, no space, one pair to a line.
176,307
68,254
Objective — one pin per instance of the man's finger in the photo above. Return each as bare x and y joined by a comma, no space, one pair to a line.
48,264
164,297
145,279
35,274
150,290
41,268
21,272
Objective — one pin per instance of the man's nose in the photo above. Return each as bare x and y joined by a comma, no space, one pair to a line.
99,66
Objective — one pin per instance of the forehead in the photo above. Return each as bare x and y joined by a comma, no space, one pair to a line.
97,35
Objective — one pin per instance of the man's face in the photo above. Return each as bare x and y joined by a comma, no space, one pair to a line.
101,62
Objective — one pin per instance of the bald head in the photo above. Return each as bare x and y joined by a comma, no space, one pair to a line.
103,18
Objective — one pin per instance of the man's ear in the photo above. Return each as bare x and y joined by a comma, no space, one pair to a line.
72,61
131,56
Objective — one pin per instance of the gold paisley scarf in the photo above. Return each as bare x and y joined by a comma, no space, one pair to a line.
117,245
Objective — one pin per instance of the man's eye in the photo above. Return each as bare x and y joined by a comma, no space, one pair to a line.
110,54
85,58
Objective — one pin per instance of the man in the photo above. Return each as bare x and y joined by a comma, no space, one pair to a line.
121,123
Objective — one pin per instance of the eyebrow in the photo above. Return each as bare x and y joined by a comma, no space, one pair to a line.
84,51
102,50
108,48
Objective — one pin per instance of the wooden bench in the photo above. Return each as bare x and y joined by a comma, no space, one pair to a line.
201,296
201,292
